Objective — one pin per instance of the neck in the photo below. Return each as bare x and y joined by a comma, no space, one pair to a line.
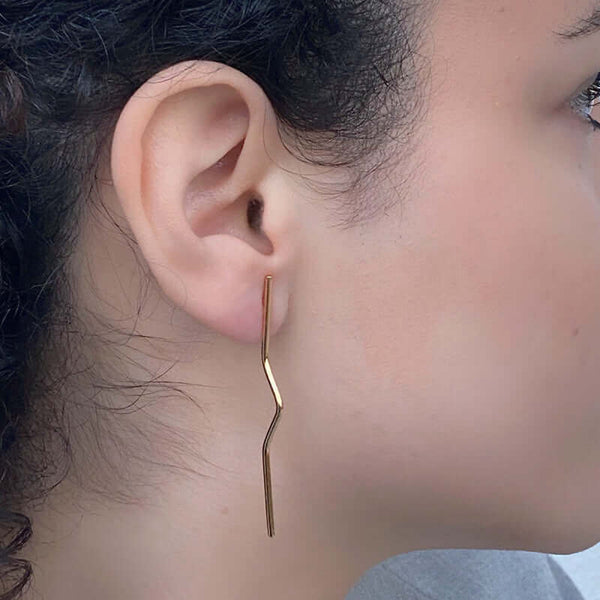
191,543
200,530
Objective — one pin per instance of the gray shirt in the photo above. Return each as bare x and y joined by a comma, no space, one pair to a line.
466,575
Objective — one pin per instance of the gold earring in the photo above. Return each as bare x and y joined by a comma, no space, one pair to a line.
266,300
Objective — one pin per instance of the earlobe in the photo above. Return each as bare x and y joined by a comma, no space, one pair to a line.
211,212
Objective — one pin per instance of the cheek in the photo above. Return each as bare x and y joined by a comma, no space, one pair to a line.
487,332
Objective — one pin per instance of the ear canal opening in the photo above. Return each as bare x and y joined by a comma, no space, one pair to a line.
255,213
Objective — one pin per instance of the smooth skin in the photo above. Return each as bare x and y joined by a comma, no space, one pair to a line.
439,366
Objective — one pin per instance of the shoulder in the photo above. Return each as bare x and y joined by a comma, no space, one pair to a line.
466,575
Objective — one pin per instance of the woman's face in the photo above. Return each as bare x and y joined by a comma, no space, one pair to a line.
447,360
440,365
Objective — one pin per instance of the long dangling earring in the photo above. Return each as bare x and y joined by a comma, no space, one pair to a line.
266,300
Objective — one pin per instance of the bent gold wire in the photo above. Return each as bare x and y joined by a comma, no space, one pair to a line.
266,300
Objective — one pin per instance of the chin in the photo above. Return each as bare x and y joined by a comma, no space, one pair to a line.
568,542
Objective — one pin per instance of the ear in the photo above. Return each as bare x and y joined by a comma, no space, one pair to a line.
193,166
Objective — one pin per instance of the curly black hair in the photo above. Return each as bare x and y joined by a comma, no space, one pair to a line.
340,74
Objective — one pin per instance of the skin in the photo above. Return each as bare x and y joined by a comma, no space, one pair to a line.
438,366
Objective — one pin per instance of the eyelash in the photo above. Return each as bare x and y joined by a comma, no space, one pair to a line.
585,101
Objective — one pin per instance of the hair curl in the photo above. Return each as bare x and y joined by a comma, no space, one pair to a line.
340,75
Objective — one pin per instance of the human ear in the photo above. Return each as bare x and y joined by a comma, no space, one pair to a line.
192,166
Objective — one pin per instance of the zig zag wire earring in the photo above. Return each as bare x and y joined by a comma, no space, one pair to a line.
266,300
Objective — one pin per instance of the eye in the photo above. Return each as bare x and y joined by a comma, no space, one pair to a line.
585,101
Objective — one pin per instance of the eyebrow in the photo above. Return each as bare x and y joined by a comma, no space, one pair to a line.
584,26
